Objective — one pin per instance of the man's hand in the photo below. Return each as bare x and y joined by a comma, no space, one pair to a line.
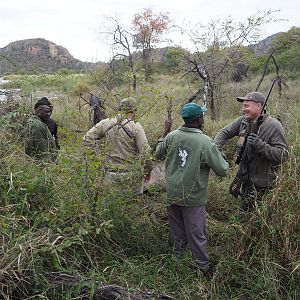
168,125
253,139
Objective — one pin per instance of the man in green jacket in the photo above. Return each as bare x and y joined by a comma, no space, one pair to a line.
189,155
51,124
39,142
267,148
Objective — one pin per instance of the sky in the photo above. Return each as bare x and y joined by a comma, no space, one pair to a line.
77,25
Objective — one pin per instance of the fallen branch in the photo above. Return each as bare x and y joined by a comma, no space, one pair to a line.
85,286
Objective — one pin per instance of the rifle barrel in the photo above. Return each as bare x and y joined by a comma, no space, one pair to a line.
269,93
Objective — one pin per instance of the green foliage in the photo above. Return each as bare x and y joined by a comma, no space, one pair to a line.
64,72
286,50
175,58
289,61
61,217
257,65
286,40
32,83
115,75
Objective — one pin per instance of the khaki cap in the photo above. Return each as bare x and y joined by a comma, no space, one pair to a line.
253,96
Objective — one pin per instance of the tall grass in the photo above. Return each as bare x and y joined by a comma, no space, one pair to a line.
61,218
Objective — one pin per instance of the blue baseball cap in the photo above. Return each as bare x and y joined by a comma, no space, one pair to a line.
192,110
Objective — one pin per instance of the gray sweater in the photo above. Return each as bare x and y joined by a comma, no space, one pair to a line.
269,152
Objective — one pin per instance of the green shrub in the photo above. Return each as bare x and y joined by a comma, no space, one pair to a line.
61,219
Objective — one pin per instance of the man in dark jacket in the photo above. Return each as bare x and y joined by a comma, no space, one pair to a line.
50,123
267,148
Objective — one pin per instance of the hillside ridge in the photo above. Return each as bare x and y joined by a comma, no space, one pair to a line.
39,55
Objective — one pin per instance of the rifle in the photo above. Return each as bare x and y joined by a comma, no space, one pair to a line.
169,108
168,121
242,158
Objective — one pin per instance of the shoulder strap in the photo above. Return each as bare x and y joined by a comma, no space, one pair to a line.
118,123
263,125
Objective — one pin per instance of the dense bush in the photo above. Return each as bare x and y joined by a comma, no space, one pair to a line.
60,218
53,82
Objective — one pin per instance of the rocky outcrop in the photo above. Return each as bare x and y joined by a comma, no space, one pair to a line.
263,47
35,56
38,56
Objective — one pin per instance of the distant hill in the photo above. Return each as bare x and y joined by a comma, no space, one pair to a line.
262,47
259,49
38,56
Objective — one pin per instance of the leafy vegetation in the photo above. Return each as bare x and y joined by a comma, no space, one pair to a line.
60,218
286,50
61,82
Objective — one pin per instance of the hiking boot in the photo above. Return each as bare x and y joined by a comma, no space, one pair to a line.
209,272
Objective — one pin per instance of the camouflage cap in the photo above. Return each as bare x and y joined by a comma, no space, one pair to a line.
128,105
253,96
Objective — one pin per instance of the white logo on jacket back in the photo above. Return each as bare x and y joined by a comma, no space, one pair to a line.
182,153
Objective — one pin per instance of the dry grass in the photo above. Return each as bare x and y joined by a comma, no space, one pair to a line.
59,218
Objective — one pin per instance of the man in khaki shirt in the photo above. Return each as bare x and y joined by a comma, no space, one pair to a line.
127,146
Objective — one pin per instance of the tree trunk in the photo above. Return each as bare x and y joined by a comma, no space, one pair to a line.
84,288
133,72
211,104
146,58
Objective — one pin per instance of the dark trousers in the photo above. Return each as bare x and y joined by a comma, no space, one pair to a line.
187,227
251,196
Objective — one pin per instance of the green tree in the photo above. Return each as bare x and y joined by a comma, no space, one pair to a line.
174,59
286,40
286,47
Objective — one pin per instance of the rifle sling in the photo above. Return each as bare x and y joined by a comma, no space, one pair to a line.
118,123
267,119
243,170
